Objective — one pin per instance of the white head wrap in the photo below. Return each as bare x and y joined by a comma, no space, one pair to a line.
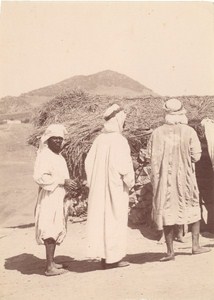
52,130
115,118
175,112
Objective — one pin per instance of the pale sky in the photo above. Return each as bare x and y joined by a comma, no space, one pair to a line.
166,46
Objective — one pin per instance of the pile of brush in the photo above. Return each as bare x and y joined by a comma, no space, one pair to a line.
82,115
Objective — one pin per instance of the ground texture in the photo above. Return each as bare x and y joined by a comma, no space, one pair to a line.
22,260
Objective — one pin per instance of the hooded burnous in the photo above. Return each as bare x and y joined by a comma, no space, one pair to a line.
110,175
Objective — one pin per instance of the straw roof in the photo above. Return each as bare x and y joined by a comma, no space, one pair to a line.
82,114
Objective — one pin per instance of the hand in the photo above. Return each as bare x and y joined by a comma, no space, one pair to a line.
70,184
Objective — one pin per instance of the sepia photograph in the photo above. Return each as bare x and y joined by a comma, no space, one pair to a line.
107,150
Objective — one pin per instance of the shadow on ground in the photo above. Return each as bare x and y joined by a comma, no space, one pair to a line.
147,231
143,258
208,235
209,245
29,264
148,257
22,226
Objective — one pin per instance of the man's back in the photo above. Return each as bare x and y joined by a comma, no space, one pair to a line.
175,144
173,150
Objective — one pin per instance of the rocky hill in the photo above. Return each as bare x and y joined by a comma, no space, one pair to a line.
103,83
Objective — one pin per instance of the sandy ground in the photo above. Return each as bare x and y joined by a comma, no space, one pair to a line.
22,260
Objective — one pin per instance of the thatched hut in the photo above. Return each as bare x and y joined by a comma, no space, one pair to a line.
82,114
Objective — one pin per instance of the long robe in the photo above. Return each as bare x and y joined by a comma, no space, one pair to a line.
50,171
173,150
110,174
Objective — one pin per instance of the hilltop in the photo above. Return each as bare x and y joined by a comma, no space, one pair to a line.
102,83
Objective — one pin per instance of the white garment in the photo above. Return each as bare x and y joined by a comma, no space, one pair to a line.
110,175
50,171
209,133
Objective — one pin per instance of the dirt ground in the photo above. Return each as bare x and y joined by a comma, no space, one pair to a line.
22,260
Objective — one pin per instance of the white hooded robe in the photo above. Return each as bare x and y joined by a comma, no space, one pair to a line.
110,175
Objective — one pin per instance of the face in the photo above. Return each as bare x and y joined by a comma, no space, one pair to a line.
55,144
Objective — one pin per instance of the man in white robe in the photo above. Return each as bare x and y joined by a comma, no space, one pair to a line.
173,150
52,176
110,175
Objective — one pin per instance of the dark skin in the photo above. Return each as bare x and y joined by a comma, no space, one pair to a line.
55,145
169,233
169,236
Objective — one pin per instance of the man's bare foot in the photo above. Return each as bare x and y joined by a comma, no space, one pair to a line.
168,258
55,272
118,264
201,250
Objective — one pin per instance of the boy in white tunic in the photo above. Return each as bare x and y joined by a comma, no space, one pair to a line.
52,176
110,175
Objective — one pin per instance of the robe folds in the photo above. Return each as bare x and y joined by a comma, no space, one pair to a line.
173,150
110,175
50,172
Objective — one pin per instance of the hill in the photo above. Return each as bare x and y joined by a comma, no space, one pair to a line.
103,83
13,105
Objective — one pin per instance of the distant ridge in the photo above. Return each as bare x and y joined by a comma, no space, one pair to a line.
105,82
102,83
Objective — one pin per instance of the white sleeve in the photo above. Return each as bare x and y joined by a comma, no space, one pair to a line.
43,174
124,162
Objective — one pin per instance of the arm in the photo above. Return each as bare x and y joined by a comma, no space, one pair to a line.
124,163
43,174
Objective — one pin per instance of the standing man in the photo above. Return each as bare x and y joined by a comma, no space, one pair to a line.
110,175
51,174
173,149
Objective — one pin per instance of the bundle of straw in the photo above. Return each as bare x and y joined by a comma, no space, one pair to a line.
82,114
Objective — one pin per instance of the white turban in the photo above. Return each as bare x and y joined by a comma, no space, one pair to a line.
174,107
115,118
52,130
175,112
